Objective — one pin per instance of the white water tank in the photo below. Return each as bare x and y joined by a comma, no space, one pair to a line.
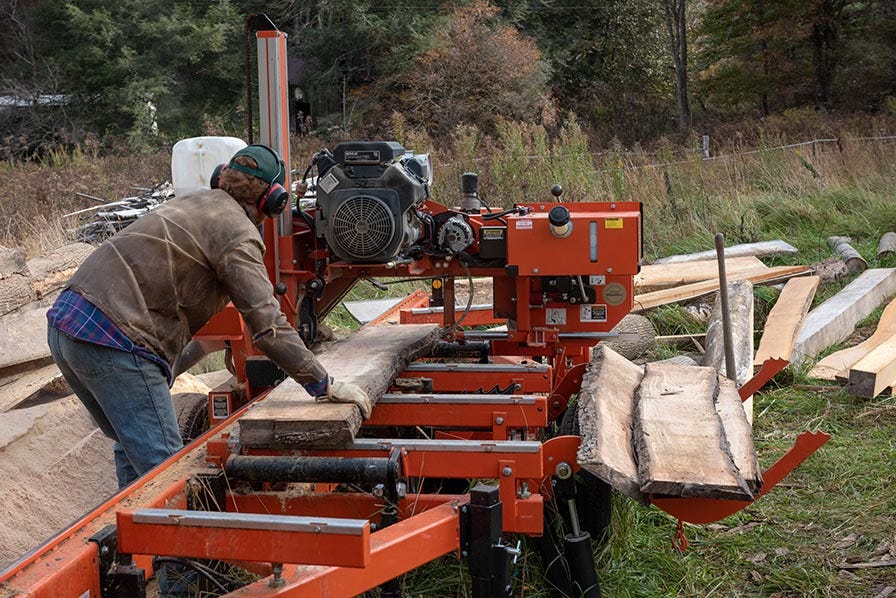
194,159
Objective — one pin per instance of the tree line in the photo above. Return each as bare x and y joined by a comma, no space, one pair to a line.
141,73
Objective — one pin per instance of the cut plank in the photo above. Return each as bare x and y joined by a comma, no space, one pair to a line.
694,290
836,365
17,389
763,248
680,442
836,318
371,358
854,260
875,372
605,403
662,276
23,342
739,434
783,324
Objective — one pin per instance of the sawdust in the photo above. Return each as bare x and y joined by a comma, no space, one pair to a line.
55,465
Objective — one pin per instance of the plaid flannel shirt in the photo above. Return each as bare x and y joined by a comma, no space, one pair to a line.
78,318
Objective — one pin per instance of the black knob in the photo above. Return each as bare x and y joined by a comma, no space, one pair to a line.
557,190
558,216
280,289
469,182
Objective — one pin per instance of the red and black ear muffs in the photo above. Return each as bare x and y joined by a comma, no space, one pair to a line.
271,201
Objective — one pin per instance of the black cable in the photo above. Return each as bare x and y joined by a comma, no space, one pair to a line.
197,567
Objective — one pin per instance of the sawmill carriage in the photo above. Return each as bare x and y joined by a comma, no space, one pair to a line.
471,445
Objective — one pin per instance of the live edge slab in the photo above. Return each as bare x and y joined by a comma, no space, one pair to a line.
371,358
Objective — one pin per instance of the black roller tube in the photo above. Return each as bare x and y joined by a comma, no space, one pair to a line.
469,349
347,470
577,548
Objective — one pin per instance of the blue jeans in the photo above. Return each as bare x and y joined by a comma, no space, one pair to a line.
128,397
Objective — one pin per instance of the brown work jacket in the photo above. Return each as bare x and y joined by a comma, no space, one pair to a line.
164,276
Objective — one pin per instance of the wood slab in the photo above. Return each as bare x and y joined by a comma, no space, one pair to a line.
836,318
763,248
739,434
371,358
17,389
23,342
785,320
740,308
875,372
606,403
836,365
654,277
645,301
680,441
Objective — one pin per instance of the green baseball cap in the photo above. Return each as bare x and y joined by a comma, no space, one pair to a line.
270,169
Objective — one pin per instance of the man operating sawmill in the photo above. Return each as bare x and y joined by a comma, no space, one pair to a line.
136,302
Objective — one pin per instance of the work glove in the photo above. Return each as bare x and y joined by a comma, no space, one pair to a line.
339,391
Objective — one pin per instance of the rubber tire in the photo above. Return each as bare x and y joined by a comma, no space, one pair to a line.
191,409
594,497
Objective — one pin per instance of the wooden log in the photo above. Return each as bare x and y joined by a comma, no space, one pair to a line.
740,308
23,342
606,402
783,324
761,249
371,358
875,372
12,261
15,291
679,438
836,318
854,260
51,272
887,245
639,332
836,365
645,301
739,434
655,277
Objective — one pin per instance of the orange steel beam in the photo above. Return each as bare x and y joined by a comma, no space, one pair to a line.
473,377
394,550
479,315
328,504
497,416
770,368
245,537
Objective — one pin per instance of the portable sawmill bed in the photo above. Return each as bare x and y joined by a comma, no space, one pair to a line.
223,497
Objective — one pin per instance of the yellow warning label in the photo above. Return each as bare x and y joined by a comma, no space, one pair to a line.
613,223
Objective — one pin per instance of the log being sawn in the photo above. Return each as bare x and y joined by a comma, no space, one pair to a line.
371,358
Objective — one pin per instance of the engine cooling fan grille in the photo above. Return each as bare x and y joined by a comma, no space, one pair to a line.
363,226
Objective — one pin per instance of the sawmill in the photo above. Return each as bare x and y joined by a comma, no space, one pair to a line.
488,425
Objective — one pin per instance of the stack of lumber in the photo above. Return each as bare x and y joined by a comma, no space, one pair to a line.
869,368
665,430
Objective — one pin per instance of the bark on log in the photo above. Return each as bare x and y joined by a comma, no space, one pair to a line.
887,245
371,358
739,434
854,261
642,332
740,306
606,401
15,291
12,261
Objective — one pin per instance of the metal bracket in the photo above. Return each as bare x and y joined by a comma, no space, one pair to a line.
119,576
